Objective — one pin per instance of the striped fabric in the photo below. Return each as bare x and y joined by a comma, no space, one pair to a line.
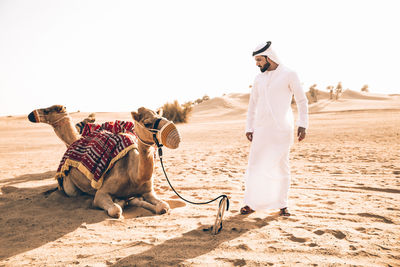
98,149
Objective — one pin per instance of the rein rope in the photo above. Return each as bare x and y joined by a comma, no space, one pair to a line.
191,202
60,119
224,198
43,118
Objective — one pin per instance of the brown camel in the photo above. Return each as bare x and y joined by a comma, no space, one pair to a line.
61,122
130,180
59,119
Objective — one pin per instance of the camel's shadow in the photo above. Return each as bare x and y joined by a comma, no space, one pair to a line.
28,178
33,216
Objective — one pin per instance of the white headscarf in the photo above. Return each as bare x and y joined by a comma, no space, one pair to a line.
268,52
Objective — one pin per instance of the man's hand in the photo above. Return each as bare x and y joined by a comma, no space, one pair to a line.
249,136
301,133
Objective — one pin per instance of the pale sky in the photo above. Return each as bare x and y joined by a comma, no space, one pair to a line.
119,55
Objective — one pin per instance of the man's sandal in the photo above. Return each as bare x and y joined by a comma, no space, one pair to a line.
246,210
284,212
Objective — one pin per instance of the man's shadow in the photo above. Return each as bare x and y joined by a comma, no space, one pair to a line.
195,243
34,216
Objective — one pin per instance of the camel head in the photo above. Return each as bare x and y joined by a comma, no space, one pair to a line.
49,115
148,122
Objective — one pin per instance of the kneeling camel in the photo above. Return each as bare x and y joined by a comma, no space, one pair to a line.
129,181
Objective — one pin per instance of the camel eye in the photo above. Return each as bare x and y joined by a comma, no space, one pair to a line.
148,125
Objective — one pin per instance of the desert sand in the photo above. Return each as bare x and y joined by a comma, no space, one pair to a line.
344,197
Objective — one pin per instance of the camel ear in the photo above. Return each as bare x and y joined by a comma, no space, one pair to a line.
160,112
136,116
58,108
62,109
141,109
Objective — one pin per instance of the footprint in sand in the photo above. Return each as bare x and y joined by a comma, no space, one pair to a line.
352,247
235,262
319,232
361,229
164,187
243,247
290,219
336,233
298,239
173,204
307,205
370,215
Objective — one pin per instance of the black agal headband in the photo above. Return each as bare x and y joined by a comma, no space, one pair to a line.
262,49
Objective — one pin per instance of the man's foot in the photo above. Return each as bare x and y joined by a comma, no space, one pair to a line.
284,212
246,210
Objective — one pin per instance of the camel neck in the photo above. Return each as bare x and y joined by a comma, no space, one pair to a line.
146,161
66,131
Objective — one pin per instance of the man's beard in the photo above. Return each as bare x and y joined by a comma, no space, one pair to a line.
266,66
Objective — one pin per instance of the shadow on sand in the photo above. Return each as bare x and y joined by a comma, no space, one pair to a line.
28,178
175,251
34,216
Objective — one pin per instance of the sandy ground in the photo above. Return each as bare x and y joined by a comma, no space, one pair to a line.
344,197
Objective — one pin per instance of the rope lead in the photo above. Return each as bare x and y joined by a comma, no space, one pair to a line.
221,202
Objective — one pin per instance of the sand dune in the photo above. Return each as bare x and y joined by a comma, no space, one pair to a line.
352,100
344,197
349,94
235,105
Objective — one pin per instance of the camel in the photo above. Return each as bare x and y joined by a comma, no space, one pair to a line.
61,122
129,181
58,117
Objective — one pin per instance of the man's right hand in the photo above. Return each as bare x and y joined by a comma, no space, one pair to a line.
249,136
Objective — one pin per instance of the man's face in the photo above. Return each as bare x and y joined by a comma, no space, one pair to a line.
262,63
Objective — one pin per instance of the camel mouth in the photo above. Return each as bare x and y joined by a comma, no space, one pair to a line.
169,136
172,146
32,117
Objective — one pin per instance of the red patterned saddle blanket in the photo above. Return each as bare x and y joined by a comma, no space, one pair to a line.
98,149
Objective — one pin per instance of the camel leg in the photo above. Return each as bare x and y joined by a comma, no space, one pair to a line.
104,201
161,206
139,202
121,202
70,188
75,183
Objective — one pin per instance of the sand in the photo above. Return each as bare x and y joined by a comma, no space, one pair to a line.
344,197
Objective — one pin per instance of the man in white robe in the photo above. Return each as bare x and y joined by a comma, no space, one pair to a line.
270,128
